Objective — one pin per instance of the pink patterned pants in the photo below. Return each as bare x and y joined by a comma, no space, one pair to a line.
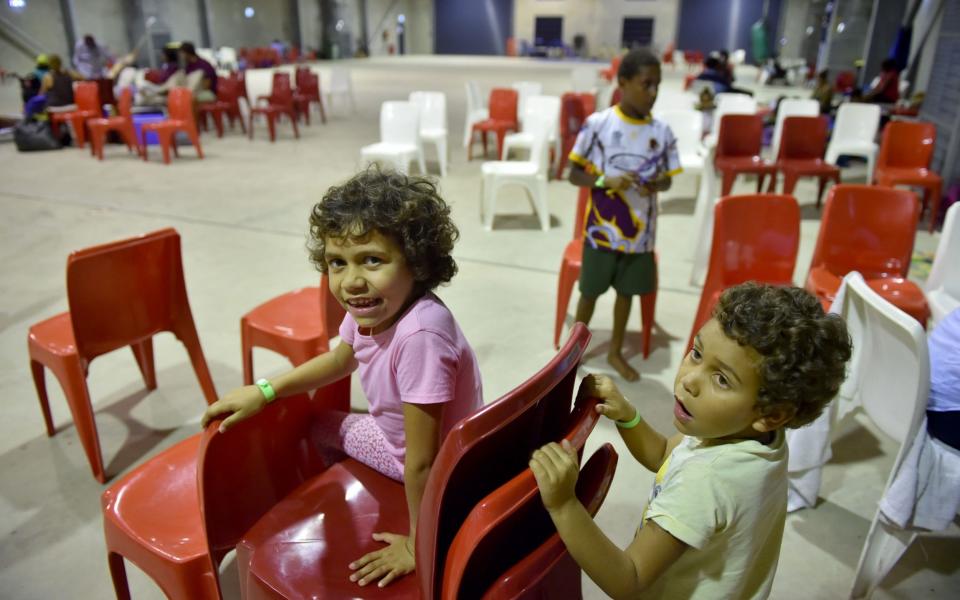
357,435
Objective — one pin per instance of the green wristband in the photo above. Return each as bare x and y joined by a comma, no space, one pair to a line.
631,423
599,182
266,389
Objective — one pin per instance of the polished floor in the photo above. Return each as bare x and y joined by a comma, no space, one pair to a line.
242,213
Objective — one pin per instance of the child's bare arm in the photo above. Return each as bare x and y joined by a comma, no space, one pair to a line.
649,447
620,573
246,401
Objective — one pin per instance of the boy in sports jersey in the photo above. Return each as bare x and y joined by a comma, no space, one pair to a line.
626,157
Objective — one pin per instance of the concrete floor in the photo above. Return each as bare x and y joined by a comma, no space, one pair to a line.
242,215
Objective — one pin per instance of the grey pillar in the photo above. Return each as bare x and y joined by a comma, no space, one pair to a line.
69,28
296,39
884,24
204,24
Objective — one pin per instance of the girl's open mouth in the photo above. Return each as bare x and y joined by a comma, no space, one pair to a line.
680,411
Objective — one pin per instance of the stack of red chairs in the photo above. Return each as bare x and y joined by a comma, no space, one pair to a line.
694,59
906,150
279,103
181,118
503,118
801,154
87,96
738,150
122,124
308,90
574,110
610,73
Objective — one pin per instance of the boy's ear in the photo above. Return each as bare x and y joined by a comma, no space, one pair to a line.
776,417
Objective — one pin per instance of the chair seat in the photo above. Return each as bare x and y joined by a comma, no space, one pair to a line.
287,552
55,335
509,167
166,124
752,164
494,124
907,176
214,106
902,293
852,148
388,148
294,315
109,122
66,116
433,134
270,108
807,166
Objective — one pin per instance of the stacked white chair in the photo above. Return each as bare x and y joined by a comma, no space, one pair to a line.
854,133
583,78
476,110
399,137
525,89
531,174
943,284
433,123
227,58
707,196
791,107
341,84
687,127
547,107
728,104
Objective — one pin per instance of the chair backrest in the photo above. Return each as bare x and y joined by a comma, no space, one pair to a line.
845,81
739,136
857,122
433,109
510,528
300,75
180,105
399,122
474,97
526,89
755,238
546,107
503,104
340,80
228,89
125,105
866,228
580,218
539,126
87,96
791,107
803,138
687,127
584,78
125,291
573,112
281,91
907,144
945,271
489,448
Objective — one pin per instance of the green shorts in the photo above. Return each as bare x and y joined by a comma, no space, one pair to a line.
630,274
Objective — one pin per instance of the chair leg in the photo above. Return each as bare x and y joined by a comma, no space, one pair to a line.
218,122
323,113
293,120
246,348
118,573
648,304
250,131
881,550
483,135
935,200
772,188
543,207
186,332
40,382
501,136
97,139
74,383
143,352
568,276
272,126
789,183
195,138
728,178
489,198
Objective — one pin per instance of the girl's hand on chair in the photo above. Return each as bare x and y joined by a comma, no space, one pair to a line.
386,564
555,467
240,404
614,406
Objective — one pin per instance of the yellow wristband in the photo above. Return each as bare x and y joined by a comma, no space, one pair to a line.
631,423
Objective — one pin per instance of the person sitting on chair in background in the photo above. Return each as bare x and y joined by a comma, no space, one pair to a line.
626,157
206,90
57,86
768,360
714,72
823,93
885,88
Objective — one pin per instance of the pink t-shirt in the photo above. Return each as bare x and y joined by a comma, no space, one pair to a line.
423,358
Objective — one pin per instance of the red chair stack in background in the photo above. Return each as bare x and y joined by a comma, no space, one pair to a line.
120,294
574,110
262,489
801,154
503,118
755,238
738,150
87,96
308,91
871,230
279,103
181,118
906,150
122,124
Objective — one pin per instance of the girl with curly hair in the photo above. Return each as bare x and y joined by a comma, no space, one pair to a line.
385,240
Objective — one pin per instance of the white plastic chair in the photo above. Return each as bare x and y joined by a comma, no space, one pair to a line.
547,107
433,123
687,127
891,382
708,193
738,56
399,137
728,104
531,174
227,57
584,79
791,107
943,284
341,85
854,133
476,110
525,89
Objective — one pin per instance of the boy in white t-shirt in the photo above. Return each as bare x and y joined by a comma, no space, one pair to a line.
626,157
768,359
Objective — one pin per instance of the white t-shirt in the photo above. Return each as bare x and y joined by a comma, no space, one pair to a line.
728,502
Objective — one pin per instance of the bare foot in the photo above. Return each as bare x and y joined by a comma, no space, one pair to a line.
623,368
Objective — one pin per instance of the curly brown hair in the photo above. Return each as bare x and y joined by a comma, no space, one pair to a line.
804,351
409,210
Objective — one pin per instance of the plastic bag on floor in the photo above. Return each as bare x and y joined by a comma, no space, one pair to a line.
31,136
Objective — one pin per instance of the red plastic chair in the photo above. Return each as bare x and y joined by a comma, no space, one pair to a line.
181,118
667,57
906,150
509,536
574,110
152,517
801,154
308,90
120,294
123,124
755,238
87,96
693,58
503,118
279,103
871,230
262,486
216,109
844,82
610,73
616,96
570,267
298,325
738,150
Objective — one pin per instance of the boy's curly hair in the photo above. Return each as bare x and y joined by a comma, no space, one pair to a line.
803,351
409,210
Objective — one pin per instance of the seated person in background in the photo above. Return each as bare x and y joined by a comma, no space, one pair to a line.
206,90
768,360
714,72
30,83
774,73
885,88
90,59
158,82
823,93
727,69
943,406
57,85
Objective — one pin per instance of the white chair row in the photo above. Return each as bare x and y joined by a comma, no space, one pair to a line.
405,127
